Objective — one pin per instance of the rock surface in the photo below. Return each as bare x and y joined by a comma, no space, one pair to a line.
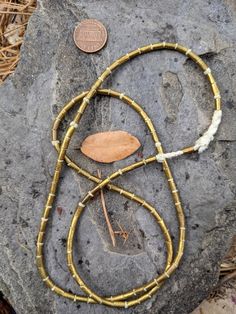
176,95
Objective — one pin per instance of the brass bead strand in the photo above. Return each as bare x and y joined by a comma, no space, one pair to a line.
146,290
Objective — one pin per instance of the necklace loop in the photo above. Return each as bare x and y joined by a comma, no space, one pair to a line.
140,294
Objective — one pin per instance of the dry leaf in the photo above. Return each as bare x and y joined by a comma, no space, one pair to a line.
110,146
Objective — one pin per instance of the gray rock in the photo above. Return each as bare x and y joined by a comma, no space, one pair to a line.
177,97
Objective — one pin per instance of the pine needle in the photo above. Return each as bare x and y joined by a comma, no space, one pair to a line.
14,18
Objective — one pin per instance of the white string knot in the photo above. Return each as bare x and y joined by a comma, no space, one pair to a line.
54,143
161,157
158,144
74,124
207,71
203,142
188,51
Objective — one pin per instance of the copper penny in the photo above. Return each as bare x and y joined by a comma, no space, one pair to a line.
90,35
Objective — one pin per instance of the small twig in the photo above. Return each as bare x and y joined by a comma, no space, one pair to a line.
17,6
18,12
4,74
226,278
124,234
11,46
7,58
112,234
226,268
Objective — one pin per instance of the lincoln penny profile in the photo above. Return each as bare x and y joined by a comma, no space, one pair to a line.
90,35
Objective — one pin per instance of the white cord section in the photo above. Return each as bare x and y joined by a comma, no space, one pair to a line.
162,157
203,142
54,143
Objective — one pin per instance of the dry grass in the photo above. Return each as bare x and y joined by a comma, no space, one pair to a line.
14,17
228,270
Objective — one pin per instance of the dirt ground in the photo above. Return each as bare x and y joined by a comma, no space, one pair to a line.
219,305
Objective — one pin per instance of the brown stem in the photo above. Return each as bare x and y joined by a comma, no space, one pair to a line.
112,234
226,278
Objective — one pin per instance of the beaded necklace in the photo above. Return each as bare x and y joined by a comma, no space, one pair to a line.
147,290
